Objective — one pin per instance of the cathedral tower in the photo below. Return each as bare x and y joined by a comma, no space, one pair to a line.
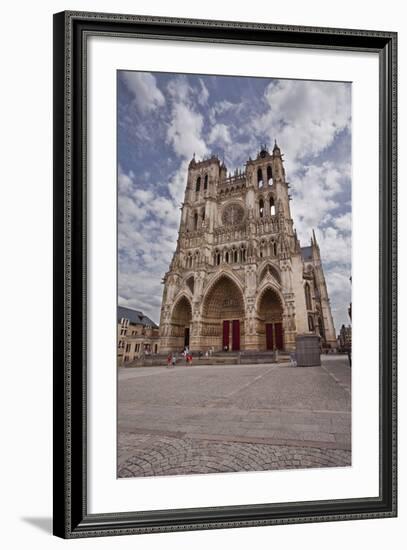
239,278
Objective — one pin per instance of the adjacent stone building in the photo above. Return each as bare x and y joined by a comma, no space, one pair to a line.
239,279
137,335
345,338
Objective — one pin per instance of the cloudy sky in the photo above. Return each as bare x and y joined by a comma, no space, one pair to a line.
163,119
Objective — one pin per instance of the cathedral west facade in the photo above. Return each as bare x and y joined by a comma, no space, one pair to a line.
239,279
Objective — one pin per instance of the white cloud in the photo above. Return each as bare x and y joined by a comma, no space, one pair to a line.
177,183
304,116
335,247
204,93
315,195
179,89
184,132
147,96
147,230
344,222
220,134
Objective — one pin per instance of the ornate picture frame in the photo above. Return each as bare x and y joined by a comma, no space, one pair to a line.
71,33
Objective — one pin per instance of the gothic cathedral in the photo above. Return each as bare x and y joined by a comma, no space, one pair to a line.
239,279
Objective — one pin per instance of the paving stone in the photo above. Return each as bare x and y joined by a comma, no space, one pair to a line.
233,418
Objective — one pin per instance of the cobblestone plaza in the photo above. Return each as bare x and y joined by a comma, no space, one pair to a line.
229,418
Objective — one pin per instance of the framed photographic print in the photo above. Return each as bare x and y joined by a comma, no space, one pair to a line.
225,274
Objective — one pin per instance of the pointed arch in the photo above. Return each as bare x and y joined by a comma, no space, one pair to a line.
227,272
272,269
182,303
181,317
269,295
223,298
264,287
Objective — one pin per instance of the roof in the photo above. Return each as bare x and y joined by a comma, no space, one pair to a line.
134,316
306,252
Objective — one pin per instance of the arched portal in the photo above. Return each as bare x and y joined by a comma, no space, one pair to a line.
223,316
181,324
270,321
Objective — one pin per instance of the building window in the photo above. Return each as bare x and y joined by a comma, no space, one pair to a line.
259,178
307,296
273,248
206,182
227,257
235,256
269,175
198,184
128,346
196,220
311,326
261,207
272,207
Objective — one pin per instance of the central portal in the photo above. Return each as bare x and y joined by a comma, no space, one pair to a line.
223,316
231,332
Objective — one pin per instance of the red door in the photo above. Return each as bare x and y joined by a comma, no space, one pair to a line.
279,335
236,335
269,336
225,340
